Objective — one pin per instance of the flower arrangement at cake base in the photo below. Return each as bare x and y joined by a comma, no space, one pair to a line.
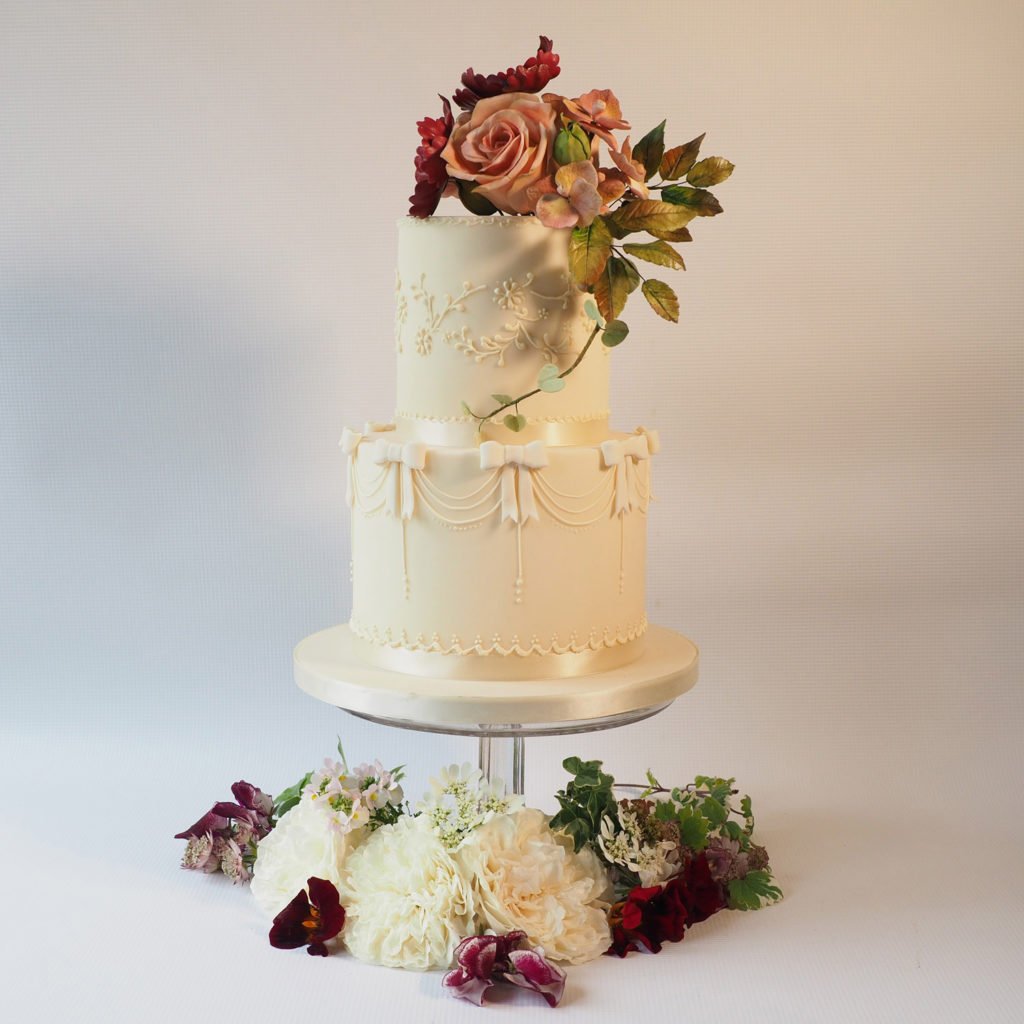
472,882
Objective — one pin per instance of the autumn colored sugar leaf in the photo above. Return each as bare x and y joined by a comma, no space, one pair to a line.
650,215
710,171
612,288
674,235
700,200
659,252
662,300
589,249
677,161
472,200
650,149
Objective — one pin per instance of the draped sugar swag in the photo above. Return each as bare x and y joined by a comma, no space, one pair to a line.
515,486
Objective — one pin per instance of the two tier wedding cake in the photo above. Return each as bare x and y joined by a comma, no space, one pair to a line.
498,522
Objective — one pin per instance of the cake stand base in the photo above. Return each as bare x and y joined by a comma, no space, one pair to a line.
501,713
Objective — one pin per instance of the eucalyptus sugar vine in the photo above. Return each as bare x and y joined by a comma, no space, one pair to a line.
511,152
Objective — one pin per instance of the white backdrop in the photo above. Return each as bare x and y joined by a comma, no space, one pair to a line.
197,206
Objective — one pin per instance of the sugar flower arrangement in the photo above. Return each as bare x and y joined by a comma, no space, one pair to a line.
558,158
472,882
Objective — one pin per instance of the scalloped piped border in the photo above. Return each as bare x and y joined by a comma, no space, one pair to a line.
597,641
508,221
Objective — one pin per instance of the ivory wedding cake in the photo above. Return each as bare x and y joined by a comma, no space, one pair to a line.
506,553
498,522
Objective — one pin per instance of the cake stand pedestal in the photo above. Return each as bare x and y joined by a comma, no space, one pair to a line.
500,713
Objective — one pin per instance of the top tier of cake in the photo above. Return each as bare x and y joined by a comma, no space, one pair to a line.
482,303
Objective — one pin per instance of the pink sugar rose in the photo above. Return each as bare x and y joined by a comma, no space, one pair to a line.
504,146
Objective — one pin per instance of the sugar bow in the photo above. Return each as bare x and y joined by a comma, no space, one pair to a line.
407,458
623,455
517,502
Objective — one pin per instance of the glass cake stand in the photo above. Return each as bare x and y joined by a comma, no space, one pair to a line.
501,714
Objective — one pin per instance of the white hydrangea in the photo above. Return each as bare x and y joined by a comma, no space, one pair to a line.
409,902
622,843
303,844
461,800
528,877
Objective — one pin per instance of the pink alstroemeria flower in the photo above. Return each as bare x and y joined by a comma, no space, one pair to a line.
483,959
531,970
577,201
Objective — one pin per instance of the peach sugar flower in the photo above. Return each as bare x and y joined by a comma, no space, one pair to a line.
504,146
576,199
598,111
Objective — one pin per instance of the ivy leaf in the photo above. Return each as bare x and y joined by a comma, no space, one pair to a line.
693,828
503,399
700,200
747,893
711,171
648,215
472,200
612,288
549,380
656,252
650,149
466,409
662,300
590,308
677,161
589,249
614,334
514,422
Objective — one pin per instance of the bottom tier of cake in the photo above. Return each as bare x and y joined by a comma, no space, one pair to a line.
498,550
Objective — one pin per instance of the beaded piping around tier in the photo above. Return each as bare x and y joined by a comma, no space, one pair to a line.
596,641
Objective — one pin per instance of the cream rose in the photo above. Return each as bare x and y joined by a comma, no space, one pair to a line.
409,903
302,845
504,146
528,878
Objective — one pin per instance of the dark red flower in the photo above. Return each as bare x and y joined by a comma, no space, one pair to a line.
632,921
531,76
658,914
309,920
431,170
701,893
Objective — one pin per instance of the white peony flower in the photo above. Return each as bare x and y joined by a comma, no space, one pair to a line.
528,878
303,844
409,903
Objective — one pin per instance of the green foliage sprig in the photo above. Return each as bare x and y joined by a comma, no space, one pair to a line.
602,263
704,812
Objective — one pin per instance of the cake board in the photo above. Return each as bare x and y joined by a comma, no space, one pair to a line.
500,713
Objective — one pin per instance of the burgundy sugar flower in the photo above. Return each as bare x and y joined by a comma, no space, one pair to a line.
531,76
309,920
483,959
431,170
